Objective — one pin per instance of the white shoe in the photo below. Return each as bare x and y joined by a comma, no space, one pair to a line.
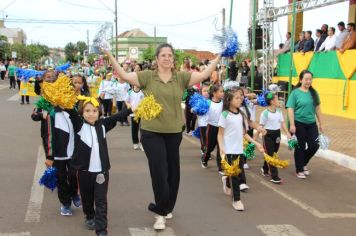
238,206
306,171
301,175
226,190
243,187
136,147
160,223
169,216
246,166
141,148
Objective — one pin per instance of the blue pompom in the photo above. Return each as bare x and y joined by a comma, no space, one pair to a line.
63,68
49,178
199,104
261,98
227,42
196,133
26,74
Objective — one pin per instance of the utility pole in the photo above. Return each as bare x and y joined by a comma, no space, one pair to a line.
88,41
155,35
116,43
253,50
223,18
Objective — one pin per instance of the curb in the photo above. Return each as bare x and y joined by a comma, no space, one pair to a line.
336,157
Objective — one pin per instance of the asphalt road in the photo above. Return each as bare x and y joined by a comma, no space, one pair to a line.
322,204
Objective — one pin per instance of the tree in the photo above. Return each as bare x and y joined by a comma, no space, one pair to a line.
148,54
71,50
4,48
91,58
81,46
180,55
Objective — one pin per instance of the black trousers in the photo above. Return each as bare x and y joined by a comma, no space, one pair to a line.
134,130
234,181
92,193
23,99
162,151
67,185
211,143
12,81
306,134
3,73
202,130
120,106
190,119
271,143
107,103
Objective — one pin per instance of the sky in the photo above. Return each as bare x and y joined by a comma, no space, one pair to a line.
188,24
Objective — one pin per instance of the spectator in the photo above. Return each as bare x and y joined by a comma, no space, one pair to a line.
329,43
2,70
342,36
244,73
350,41
286,46
300,44
309,42
323,36
232,72
316,42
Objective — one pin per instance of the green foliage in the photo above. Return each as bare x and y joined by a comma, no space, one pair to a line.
81,46
91,58
149,54
71,50
4,48
180,55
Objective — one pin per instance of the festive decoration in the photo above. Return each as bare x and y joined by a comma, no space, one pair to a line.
293,143
275,161
99,41
63,68
185,95
148,109
45,105
92,100
26,74
199,104
323,141
229,84
196,133
249,150
274,88
60,93
230,170
49,178
261,100
227,42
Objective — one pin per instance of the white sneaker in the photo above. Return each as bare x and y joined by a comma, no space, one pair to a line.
226,190
246,166
238,206
306,171
243,187
136,147
169,216
141,148
301,175
160,223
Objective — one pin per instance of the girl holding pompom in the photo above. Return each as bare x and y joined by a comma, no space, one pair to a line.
233,127
203,120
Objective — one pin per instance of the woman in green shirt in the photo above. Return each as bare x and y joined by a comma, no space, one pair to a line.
161,137
303,110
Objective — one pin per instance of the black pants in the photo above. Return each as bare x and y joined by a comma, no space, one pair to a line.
23,99
107,103
134,130
162,151
12,82
202,130
67,181
18,84
306,134
234,181
242,175
190,119
120,106
211,142
94,193
3,74
271,142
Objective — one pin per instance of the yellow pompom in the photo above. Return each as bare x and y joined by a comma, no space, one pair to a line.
60,93
275,161
231,170
148,109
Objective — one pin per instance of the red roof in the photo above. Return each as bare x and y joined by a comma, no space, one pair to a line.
201,55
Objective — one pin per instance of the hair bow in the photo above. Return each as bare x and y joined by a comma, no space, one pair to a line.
92,100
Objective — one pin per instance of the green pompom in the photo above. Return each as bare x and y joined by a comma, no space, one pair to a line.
292,144
185,95
249,152
45,105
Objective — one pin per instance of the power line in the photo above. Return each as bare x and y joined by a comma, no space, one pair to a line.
8,5
58,22
83,6
106,6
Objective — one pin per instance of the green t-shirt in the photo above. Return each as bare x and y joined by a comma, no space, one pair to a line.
12,70
303,105
169,95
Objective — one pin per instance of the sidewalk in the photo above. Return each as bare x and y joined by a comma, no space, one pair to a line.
342,135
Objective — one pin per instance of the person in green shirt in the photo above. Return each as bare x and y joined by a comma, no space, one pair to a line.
161,137
11,74
303,111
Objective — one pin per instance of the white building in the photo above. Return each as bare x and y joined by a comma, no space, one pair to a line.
14,35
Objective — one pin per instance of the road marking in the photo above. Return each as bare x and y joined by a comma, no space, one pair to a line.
302,205
33,213
280,230
150,232
16,234
14,97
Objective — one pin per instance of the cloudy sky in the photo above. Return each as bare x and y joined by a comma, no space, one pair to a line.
186,23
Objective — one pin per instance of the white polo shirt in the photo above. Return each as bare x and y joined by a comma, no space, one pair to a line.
271,120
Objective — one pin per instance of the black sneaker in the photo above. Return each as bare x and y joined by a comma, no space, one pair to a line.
90,224
264,173
276,180
204,164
